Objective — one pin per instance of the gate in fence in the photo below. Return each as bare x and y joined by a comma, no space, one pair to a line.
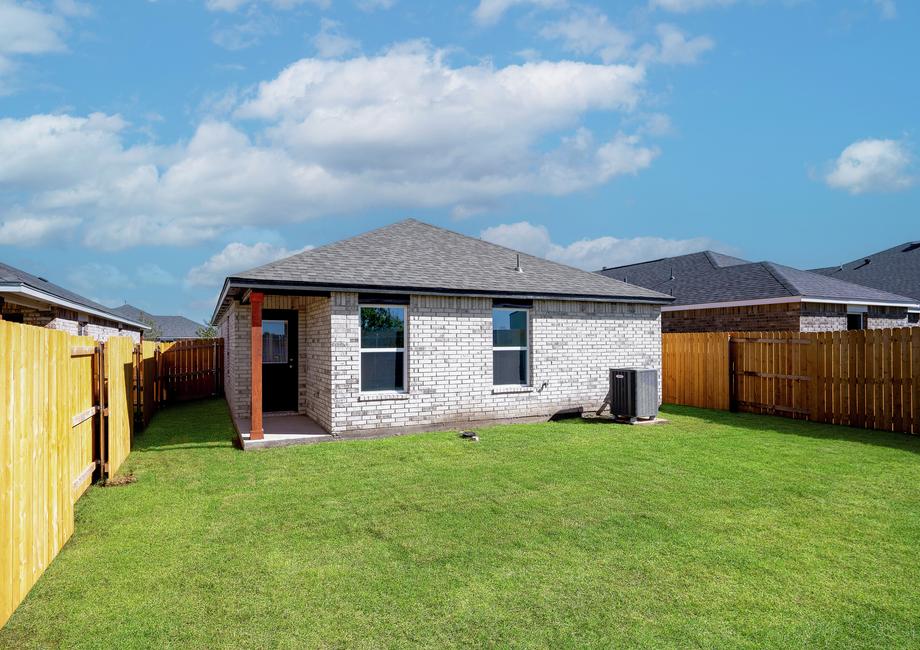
865,378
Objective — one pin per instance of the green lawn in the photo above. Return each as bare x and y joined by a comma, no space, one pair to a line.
714,530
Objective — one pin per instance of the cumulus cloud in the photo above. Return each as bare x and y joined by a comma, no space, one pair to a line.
400,129
27,29
592,254
589,32
30,231
676,48
331,43
872,166
234,258
151,273
97,276
489,12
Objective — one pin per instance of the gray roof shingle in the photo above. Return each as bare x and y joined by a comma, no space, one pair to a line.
171,327
708,277
13,277
896,269
414,256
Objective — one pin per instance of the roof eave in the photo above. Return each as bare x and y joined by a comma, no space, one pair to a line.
251,283
38,294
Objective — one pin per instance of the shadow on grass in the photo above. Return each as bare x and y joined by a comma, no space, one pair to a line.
804,428
188,425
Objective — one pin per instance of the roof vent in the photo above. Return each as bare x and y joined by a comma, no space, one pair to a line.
865,262
518,267
911,247
41,278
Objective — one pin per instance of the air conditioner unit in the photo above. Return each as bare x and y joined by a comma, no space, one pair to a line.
634,393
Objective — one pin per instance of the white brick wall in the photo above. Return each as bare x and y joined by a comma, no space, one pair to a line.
450,361
573,345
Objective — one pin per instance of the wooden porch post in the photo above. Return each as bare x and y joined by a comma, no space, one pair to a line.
255,300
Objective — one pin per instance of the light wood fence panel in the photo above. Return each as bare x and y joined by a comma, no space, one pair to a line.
119,374
83,399
865,378
36,500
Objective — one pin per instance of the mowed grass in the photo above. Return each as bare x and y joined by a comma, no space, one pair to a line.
716,530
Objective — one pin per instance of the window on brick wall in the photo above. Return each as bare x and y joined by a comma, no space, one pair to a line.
856,321
383,348
510,347
913,318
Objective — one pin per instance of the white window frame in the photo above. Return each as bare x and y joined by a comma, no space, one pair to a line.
513,348
287,341
404,349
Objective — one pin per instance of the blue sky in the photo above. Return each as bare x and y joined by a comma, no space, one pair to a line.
147,149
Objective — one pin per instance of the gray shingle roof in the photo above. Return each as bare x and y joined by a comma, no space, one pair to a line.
708,277
414,256
896,269
13,277
171,327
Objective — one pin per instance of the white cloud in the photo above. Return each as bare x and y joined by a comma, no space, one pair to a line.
24,230
592,254
151,273
872,166
489,12
330,43
590,32
686,6
25,29
676,48
245,34
401,129
234,258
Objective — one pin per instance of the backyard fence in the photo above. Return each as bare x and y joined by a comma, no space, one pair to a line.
68,407
863,378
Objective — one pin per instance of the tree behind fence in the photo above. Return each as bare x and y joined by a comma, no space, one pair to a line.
865,378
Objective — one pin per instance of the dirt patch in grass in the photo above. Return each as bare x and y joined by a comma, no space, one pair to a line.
118,481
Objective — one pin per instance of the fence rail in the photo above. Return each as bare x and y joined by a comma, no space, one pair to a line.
865,378
68,408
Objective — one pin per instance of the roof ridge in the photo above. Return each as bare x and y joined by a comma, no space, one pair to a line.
774,270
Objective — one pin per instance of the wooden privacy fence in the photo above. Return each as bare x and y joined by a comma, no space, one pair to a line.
176,371
863,378
67,414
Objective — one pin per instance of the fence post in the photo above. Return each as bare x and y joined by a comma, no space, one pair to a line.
732,406
811,369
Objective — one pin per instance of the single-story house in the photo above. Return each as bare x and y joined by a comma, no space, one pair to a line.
896,270
412,326
162,328
720,293
33,300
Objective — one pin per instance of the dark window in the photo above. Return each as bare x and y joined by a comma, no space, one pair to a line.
383,348
913,318
856,321
510,348
274,341
12,318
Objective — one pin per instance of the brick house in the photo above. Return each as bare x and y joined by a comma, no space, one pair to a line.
30,299
412,327
718,293
896,269
165,328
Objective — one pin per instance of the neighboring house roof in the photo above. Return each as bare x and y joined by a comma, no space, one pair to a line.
415,257
171,327
16,281
896,269
710,278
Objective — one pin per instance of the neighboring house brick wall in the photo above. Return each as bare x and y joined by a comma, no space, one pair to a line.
819,317
573,344
69,321
750,318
